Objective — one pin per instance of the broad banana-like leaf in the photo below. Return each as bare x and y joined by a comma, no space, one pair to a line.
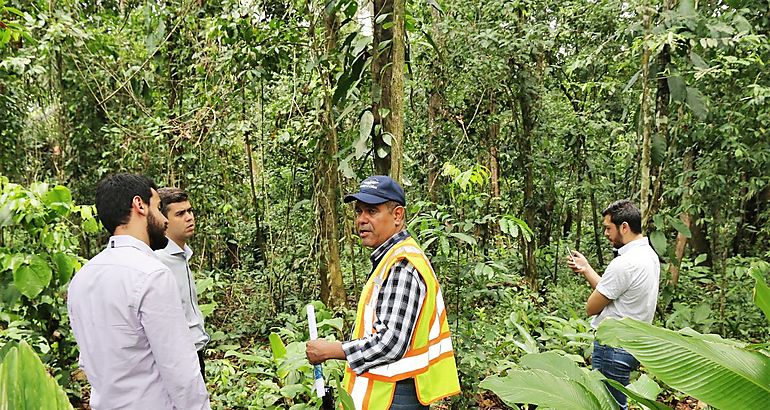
648,403
761,291
645,387
723,375
562,366
542,388
25,384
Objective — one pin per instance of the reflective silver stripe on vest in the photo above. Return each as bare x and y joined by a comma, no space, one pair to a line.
417,362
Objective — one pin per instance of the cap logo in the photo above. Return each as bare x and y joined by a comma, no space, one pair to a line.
369,184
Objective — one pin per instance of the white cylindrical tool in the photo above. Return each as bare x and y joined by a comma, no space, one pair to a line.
317,371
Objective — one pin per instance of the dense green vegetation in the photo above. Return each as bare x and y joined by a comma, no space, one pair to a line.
510,123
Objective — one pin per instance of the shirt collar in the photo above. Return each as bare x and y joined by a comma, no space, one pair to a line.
385,247
124,241
633,244
173,249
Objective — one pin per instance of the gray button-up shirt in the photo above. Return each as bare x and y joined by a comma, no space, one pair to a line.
134,346
177,259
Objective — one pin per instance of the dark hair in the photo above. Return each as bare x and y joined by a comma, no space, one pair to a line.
171,196
393,204
114,195
624,210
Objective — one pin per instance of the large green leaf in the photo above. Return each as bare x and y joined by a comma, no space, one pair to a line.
542,388
59,199
25,384
561,366
553,363
65,266
637,396
658,241
677,87
30,279
680,226
277,346
721,374
761,291
658,149
696,102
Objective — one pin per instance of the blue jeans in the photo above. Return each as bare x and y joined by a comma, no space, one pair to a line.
405,397
616,364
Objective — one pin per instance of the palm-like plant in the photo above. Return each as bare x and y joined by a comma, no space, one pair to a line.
727,374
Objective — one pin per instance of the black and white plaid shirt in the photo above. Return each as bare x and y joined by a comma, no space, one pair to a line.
398,306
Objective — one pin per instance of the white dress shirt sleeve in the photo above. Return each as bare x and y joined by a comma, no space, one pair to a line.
163,320
615,281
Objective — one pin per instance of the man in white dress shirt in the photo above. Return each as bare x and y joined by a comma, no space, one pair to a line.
125,313
175,206
628,288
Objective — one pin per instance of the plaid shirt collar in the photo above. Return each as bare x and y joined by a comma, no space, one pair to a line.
385,247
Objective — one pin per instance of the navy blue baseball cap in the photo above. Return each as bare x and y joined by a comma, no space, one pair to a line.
378,189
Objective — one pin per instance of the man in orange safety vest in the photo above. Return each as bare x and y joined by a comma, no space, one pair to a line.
400,355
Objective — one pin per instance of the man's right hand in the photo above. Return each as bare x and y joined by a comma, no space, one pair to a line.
578,263
319,351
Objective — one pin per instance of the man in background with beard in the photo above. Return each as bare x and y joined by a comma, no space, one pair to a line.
124,309
628,288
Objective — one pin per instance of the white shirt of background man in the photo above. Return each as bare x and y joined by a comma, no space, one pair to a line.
177,259
631,283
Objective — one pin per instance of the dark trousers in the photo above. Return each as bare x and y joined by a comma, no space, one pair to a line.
203,365
616,364
405,397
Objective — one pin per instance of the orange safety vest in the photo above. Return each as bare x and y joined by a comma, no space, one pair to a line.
429,358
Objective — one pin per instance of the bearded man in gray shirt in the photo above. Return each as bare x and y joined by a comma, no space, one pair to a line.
628,288
134,345
175,206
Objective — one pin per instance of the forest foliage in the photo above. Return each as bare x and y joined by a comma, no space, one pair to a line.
511,124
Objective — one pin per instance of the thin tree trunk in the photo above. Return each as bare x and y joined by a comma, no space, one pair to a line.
381,73
681,240
388,86
394,123
645,116
595,217
434,103
327,187
662,120
494,132
434,107
525,157
260,241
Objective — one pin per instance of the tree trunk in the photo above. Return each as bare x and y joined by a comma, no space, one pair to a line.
494,131
646,120
388,87
525,159
327,187
662,120
434,134
595,218
681,240
259,237
434,107
172,65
